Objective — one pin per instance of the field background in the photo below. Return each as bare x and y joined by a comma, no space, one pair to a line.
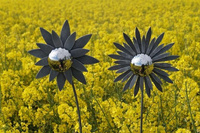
36,105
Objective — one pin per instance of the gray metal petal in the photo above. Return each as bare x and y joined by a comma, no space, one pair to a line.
123,69
65,32
157,84
164,49
38,53
161,65
86,59
78,75
53,74
116,67
147,87
166,78
158,40
150,46
68,75
134,79
78,52
47,37
137,34
123,62
141,83
170,68
153,76
60,81
118,57
130,43
82,41
125,55
148,81
127,47
148,37
42,62
137,86
120,47
56,40
78,65
143,45
171,57
155,70
136,45
160,57
45,70
127,76
46,48
69,43
121,76
127,84
156,50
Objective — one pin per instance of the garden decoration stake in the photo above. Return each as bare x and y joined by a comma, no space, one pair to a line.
140,62
63,57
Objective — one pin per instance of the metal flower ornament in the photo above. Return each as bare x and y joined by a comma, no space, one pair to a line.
141,62
63,57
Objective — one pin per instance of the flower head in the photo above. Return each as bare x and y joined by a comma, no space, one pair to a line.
63,57
140,62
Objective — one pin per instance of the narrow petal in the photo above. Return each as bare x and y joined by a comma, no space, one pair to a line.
148,36
127,76
170,69
123,69
118,57
116,67
42,62
127,47
142,83
148,91
156,50
38,53
46,48
78,75
125,55
121,62
135,77
130,43
45,70
160,57
78,65
82,41
137,34
120,47
127,84
166,78
150,46
164,49
157,84
155,70
158,40
121,76
161,65
136,45
47,37
56,40
68,75
65,32
171,57
137,86
69,43
53,74
60,81
78,52
153,76
148,81
143,45
86,59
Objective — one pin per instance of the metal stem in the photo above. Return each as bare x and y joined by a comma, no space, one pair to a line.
77,105
141,115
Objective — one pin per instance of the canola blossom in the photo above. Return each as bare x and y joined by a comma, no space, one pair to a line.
36,105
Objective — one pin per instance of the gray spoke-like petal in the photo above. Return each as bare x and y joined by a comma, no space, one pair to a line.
150,46
121,76
166,78
136,45
82,41
159,57
38,53
170,68
127,84
158,40
123,69
120,47
78,75
86,59
157,84
142,83
156,50
127,76
164,49
148,91
46,48
148,37
65,32
137,34
155,70
78,52
161,65
53,74
135,77
116,67
125,55
137,86
148,81
143,45
127,47
42,62
45,70
152,75
68,75
171,57
47,37
69,43
60,81
130,43
78,65
121,62
56,40
118,57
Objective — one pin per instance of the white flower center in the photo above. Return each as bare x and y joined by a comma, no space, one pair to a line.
141,59
59,54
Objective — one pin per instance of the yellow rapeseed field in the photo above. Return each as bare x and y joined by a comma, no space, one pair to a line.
36,105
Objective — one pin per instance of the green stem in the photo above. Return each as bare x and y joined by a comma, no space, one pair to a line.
141,115
77,105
